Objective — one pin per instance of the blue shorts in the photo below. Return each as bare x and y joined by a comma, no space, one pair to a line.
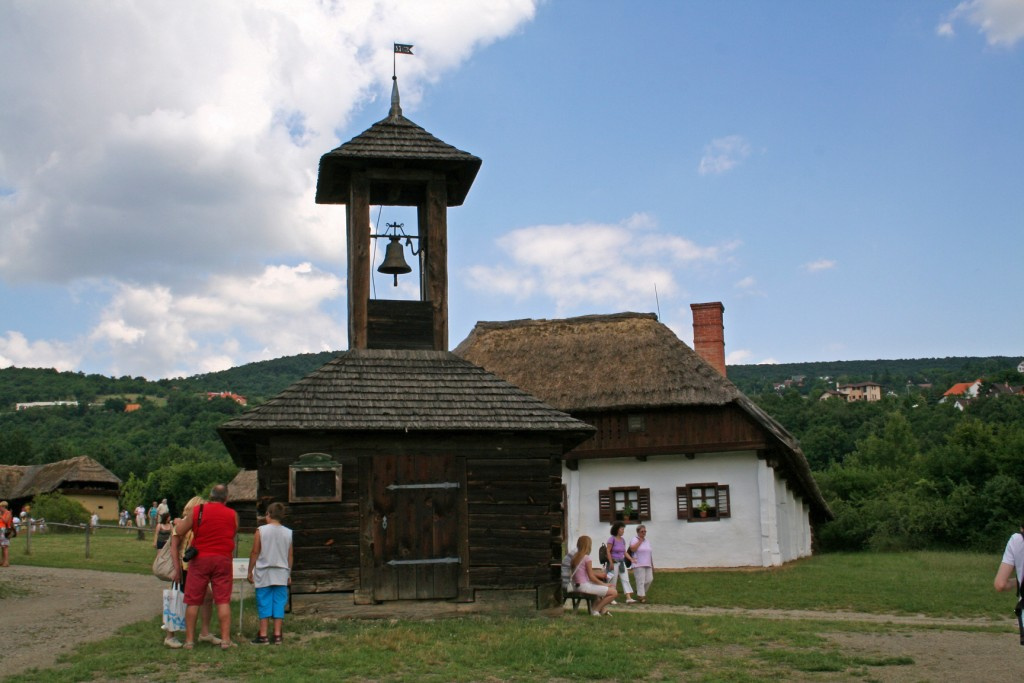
270,601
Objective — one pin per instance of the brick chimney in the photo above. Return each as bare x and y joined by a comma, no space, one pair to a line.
709,333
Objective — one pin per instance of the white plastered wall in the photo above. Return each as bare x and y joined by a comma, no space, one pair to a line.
761,505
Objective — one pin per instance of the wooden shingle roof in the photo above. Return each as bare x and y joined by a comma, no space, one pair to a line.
396,143
404,391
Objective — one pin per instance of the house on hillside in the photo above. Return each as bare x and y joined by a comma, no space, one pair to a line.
81,479
861,391
716,480
962,393
240,400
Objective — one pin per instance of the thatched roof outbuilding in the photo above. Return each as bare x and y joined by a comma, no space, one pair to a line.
619,362
242,489
21,482
79,472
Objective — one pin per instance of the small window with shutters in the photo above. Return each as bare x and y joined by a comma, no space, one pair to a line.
706,502
624,504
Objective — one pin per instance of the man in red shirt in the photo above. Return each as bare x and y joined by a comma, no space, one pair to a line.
213,527
6,523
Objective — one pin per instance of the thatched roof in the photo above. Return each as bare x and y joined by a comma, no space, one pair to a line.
82,471
10,476
597,362
622,361
395,142
404,391
243,487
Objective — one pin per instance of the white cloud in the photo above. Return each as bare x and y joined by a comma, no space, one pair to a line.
738,357
1000,21
157,333
819,265
723,154
746,283
170,150
190,133
18,351
607,266
748,287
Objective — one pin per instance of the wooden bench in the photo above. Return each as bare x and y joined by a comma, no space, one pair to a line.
577,598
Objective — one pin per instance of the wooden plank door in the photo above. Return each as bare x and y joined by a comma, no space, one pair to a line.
415,527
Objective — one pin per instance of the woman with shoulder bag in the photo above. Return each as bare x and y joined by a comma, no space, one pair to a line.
179,546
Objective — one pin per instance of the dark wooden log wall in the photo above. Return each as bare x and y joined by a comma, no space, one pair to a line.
514,499
515,520
698,429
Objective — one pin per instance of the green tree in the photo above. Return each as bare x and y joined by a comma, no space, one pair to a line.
56,507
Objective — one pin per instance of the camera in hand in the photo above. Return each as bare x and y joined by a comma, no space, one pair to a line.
190,554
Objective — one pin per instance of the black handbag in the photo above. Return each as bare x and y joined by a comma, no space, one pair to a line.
191,553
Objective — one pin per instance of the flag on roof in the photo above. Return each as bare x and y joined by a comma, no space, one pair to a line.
403,49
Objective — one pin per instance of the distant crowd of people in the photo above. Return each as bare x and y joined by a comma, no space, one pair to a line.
142,519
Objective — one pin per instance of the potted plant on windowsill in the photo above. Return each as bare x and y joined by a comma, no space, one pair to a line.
627,514
703,509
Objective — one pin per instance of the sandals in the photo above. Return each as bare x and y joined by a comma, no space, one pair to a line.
210,638
228,644
260,640
277,640
188,645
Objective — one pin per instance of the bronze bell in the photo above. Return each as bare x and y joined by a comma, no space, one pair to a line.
394,260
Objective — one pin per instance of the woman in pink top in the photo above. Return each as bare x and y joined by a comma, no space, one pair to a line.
591,581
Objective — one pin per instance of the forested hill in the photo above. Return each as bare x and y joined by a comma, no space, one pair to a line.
893,375
256,381
259,381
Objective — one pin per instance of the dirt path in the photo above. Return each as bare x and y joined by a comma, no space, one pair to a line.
68,607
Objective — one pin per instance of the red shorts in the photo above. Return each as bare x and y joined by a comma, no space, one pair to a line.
213,570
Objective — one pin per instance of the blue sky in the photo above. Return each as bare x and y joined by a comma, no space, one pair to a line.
845,177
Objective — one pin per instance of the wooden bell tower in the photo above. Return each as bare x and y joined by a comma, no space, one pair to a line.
397,163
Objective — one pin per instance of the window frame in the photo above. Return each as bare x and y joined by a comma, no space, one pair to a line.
688,509
311,463
609,512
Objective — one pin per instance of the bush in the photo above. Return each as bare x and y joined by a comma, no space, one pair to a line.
55,507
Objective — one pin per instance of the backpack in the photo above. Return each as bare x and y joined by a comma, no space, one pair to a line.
602,554
567,582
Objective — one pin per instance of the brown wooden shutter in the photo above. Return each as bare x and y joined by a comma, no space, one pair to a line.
682,502
643,498
604,506
723,500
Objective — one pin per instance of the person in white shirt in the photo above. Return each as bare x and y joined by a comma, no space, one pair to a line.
270,571
1013,564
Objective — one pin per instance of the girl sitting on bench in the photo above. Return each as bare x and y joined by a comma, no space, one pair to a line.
591,581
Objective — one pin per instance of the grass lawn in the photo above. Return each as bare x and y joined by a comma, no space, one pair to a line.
628,646
110,550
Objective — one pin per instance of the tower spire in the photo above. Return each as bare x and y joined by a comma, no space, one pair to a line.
396,107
